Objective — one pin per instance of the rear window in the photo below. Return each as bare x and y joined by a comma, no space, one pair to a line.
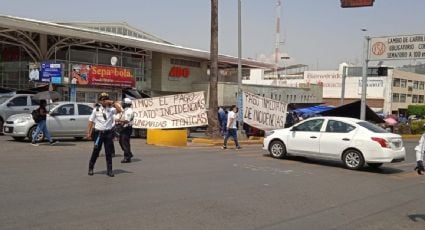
372,127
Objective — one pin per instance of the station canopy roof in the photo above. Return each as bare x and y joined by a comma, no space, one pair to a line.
138,39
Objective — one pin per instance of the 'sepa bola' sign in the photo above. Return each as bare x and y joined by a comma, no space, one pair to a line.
397,47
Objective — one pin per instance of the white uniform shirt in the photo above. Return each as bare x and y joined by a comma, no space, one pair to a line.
420,149
128,116
98,117
231,114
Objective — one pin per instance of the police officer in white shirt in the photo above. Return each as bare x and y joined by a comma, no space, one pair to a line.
126,122
102,119
420,155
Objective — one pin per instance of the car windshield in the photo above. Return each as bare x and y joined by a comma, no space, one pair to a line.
52,106
3,99
372,127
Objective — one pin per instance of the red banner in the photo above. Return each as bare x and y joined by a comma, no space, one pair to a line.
103,76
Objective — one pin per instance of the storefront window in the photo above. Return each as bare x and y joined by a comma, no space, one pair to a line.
421,85
421,99
83,55
104,57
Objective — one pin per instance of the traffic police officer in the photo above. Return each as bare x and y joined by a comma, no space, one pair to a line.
102,119
126,121
420,155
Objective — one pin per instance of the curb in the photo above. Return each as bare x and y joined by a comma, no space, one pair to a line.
219,142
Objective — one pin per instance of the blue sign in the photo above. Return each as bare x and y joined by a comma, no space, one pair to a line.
51,73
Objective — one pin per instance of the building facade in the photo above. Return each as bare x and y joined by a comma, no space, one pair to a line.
84,59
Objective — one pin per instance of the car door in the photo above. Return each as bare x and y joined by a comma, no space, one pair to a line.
303,139
337,136
84,112
18,104
62,120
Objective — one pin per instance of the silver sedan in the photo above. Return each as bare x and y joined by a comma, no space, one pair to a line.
65,119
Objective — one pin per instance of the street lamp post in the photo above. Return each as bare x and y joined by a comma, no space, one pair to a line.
239,93
364,77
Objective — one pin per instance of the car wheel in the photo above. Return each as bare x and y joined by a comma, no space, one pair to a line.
1,126
375,165
277,149
353,159
18,138
40,136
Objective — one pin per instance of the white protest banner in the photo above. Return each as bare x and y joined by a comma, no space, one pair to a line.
263,113
172,111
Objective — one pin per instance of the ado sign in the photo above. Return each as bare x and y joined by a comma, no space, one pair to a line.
178,72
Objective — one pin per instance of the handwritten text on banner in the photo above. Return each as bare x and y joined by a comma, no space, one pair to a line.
173,111
263,113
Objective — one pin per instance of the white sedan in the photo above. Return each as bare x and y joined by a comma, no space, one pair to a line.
65,119
353,141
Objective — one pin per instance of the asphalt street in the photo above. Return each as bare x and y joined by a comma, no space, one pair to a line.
47,187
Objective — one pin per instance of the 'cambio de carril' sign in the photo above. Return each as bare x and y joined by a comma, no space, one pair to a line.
397,47
173,111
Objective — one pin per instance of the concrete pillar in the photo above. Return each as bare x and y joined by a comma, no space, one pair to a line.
43,46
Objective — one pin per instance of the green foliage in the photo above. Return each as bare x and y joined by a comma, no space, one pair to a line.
403,129
416,110
417,126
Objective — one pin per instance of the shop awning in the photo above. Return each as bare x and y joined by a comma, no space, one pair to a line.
353,110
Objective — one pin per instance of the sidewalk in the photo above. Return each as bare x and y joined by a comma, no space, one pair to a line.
204,141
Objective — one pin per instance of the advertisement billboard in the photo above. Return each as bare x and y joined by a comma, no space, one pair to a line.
51,73
45,72
103,76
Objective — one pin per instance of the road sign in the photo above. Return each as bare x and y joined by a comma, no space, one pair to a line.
402,47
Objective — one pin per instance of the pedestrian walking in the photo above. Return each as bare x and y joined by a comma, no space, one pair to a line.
232,130
420,155
40,117
102,119
221,114
126,122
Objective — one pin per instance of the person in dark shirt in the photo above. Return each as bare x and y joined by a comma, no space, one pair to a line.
41,125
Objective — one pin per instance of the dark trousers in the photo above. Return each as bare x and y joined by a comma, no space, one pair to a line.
102,138
231,133
124,141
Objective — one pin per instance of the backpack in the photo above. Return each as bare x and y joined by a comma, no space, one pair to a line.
36,115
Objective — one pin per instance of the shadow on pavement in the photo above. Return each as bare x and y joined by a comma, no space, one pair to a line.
415,217
116,171
337,164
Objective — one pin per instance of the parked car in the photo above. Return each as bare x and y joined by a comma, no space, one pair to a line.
65,119
353,141
14,104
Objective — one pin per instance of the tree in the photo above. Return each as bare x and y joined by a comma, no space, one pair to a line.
213,129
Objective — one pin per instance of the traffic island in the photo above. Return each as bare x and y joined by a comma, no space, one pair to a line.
167,137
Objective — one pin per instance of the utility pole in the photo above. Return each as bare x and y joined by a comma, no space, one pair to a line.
364,78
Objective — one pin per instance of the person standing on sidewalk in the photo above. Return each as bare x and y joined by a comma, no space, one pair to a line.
41,112
126,122
232,130
420,155
103,120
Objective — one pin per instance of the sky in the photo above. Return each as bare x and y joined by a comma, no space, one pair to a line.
317,33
